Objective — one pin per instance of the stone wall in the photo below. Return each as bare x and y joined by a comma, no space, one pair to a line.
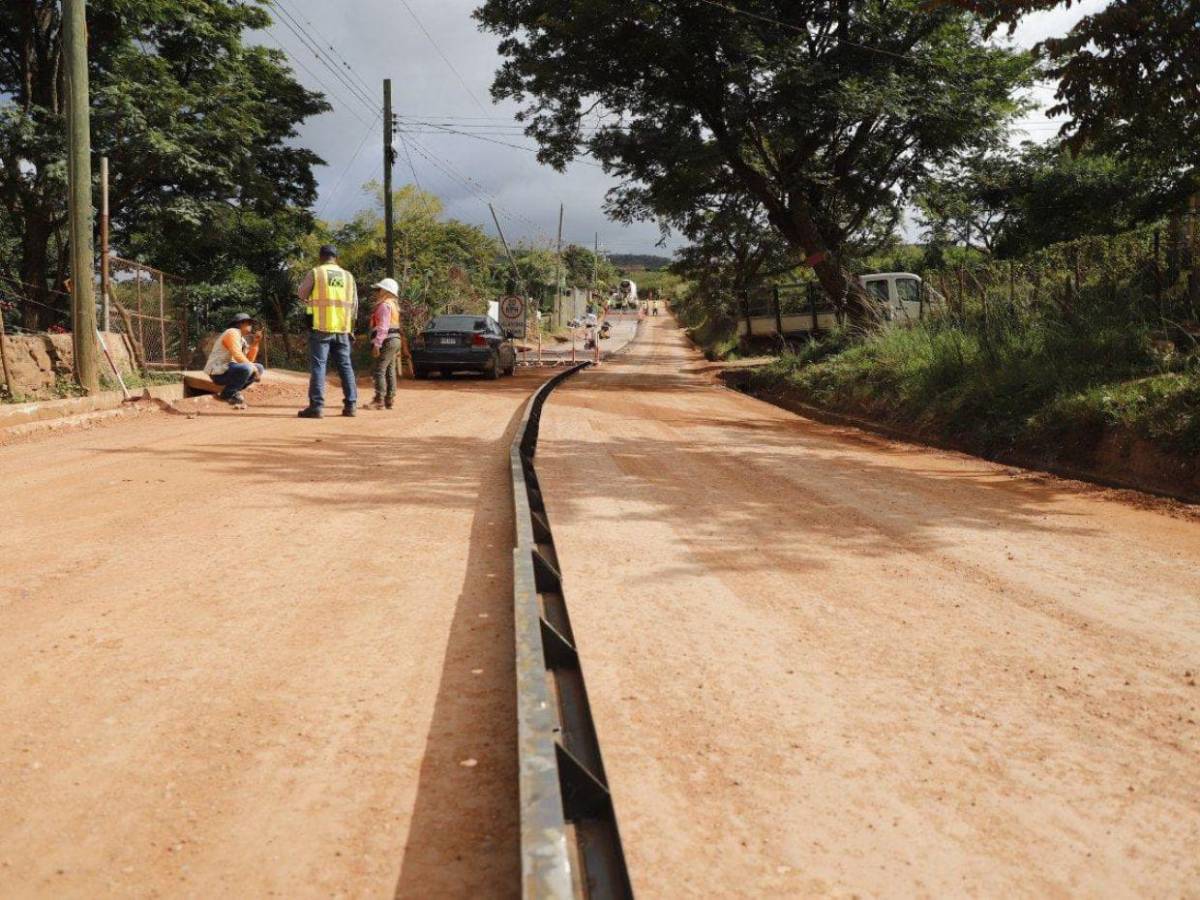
38,362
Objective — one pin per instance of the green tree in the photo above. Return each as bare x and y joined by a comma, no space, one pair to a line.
822,113
1127,77
206,178
1014,201
443,265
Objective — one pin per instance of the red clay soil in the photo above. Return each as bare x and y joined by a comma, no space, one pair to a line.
250,655
821,662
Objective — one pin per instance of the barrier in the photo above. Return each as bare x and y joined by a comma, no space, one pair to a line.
570,845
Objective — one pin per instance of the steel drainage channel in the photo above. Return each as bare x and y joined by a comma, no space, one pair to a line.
570,847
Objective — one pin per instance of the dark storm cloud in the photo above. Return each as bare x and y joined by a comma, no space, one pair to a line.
380,39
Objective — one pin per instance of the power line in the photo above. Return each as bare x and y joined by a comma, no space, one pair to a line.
339,57
308,44
325,87
346,171
445,58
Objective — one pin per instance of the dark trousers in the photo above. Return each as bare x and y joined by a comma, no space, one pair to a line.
237,377
386,365
321,346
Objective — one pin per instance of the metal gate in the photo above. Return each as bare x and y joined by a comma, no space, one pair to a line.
147,306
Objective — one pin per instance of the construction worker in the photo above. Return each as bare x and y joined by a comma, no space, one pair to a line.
386,341
231,363
330,296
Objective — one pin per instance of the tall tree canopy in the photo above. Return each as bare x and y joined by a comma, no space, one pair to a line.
1128,77
197,124
823,113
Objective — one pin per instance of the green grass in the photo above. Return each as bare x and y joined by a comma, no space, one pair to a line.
1043,384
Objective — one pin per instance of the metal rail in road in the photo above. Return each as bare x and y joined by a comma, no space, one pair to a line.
570,846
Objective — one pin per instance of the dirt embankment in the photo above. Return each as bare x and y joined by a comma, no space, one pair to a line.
1110,457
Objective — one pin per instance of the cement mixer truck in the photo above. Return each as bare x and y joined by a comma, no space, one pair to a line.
628,294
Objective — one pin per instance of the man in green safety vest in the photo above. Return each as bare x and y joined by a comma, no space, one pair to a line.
330,297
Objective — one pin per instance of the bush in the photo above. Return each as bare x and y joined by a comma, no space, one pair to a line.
994,375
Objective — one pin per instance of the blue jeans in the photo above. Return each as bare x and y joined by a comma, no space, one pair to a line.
321,346
237,377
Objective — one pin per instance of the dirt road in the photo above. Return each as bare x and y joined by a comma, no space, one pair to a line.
250,655
823,663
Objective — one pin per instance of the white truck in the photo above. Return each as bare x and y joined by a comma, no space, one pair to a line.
903,297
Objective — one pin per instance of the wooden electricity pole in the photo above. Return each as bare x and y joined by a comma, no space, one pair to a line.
79,195
389,160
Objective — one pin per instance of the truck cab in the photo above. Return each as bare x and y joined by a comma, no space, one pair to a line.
903,295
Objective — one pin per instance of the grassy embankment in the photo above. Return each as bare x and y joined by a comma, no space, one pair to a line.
1065,358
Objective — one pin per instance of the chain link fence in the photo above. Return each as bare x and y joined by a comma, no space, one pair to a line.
149,307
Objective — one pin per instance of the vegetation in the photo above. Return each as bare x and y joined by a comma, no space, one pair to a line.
207,181
1004,367
823,115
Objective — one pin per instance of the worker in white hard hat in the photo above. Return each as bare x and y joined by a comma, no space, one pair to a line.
386,341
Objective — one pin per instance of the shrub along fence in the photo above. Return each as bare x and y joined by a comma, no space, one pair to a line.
1130,277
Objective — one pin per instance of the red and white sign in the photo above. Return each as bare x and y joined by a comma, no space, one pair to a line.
512,315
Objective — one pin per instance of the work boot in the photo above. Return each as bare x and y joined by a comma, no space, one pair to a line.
377,403
311,412
390,402
348,411
237,401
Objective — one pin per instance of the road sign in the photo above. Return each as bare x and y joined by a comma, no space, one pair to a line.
512,315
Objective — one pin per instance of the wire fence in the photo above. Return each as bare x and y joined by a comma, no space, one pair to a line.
149,307
1138,275
29,309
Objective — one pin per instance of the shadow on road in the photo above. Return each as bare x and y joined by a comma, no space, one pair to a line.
464,839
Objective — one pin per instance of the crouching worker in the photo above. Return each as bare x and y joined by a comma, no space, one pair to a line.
386,341
231,364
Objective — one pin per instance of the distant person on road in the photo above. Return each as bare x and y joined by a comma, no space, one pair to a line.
231,363
330,296
386,341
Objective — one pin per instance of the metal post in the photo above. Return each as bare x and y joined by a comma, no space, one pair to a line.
812,305
558,273
104,248
778,311
389,159
1158,276
596,264
79,202
512,262
162,316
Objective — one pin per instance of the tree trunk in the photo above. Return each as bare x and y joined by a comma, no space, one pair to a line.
842,288
35,272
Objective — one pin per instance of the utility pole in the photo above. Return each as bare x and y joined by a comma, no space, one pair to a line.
558,274
596,265
389,160
79,198
104,249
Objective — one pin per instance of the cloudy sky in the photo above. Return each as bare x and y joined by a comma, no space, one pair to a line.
441,68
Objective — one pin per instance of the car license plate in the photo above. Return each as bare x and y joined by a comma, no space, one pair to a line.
450,341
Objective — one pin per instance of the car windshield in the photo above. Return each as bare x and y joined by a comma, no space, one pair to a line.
457,323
